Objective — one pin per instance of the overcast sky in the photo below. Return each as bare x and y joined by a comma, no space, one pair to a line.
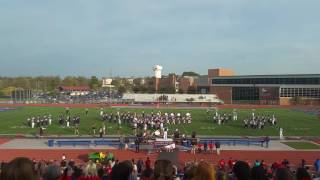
91,37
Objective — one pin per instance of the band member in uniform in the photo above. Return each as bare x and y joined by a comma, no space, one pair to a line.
101,111
87,111
76,130
165,134
104,128
281,134
41,131
93,128
100,132
193,145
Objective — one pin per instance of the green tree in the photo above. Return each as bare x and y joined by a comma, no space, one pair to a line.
116,82
190,73
94,83
122,89
1,93
69,81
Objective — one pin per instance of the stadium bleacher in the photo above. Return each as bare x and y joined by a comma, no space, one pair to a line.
172,98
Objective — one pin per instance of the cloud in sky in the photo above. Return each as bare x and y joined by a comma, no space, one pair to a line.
80,37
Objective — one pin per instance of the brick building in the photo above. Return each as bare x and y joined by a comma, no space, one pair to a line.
265,89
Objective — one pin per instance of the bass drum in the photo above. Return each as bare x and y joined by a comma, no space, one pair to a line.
157,133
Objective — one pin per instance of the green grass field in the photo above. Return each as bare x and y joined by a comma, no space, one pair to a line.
302,145
294,123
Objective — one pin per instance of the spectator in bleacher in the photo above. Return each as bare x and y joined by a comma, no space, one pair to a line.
139,165
285,163
134,168
189,171
303,163
175,173
19,168
222,175
258,173
205,146
101,174
163,170
147,172
302,174
241,170
284,174
90,169
204,171
231,163
222,164
148,162
52,172
211,147
317,165
77,172
121,171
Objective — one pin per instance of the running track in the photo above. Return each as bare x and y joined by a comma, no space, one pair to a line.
145,106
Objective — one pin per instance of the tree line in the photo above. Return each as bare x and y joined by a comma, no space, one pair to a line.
45,83
51,83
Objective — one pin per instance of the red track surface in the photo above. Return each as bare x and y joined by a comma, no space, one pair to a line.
155,106
80,155
4,140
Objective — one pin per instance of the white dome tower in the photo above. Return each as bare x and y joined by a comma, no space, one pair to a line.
157,69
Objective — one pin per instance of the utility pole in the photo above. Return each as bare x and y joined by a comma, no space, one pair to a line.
110,94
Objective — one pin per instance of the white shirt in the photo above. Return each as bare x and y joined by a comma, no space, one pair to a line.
165,135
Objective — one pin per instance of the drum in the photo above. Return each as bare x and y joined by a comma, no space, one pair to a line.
157,133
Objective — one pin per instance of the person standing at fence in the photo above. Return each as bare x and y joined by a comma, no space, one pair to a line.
217,144
267,140
137,143
126,143
211,147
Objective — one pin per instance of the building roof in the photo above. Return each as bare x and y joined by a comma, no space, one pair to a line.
270,76
74,88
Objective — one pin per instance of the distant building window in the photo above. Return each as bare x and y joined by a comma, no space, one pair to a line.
300,92
266,81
